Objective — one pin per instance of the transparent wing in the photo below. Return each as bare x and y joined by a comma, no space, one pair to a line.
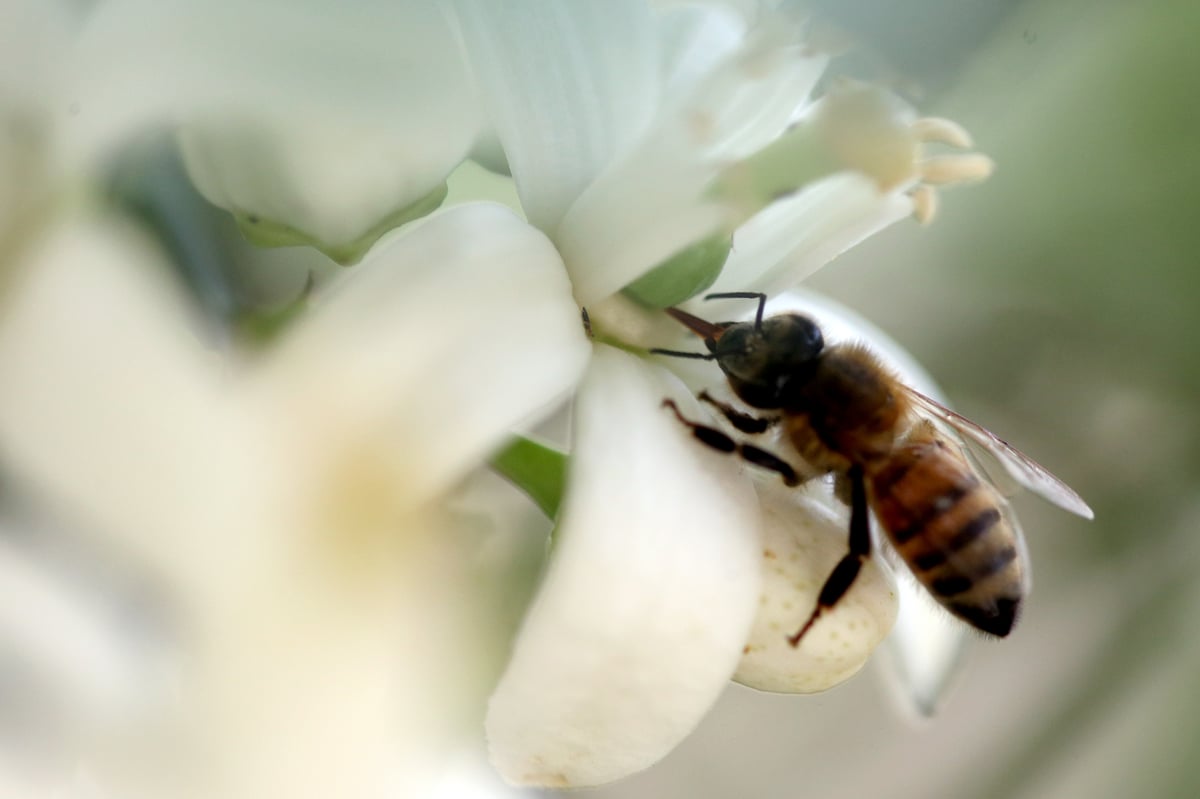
1021,468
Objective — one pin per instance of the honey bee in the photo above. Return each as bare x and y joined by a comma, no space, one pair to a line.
892,449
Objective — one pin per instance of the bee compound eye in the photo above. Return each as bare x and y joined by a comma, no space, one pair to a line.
737,351
735,340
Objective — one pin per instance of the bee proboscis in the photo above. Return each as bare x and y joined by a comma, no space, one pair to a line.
896,451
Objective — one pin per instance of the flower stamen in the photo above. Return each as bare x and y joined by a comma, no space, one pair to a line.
939,130
943,170
925,203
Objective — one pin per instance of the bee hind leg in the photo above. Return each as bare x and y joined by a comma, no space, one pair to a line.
846,572
724,443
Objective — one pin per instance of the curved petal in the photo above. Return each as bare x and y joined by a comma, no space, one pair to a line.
567,87
741,86
378,653
792,238
649,596
644,210
695,38
92,669
335,184
111,407
447,335
924,652
322,117
655,201
805,535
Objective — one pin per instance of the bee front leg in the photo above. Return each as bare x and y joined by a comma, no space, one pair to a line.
846,572
744,422
722,442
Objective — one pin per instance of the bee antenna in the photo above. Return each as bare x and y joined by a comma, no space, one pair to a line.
744,295
699,356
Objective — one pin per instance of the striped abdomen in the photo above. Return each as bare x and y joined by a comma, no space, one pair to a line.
952,531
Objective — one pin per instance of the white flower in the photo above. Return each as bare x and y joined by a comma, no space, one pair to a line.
289,506
314,122
654,149
629,157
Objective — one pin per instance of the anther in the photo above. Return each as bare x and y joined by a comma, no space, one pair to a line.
941,170
938,130
925,204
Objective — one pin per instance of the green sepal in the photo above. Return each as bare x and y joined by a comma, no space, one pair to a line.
262,326
538,470
683,275
269,233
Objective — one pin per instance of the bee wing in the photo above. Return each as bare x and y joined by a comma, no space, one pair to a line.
1024,470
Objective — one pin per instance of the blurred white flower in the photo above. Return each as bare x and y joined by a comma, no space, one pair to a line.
35,39
313,122
289,506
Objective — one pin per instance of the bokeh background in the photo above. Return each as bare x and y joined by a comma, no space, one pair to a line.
1058,304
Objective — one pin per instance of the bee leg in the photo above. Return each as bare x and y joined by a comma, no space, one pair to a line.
842,488
722,442
742,421
696,356
845,573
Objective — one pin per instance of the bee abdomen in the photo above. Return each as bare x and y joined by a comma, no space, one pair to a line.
948,527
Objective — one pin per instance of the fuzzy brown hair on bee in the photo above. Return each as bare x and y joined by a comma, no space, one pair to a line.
843,413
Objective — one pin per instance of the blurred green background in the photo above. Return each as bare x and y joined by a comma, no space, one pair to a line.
1058,304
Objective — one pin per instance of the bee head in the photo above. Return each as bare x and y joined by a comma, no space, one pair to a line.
762,357
767,354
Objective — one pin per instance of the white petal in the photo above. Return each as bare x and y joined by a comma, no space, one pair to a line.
652,203
645,209
36,37
376,653
111,405
754,104
567,87
318,115
924,651
739,95
338,183
449,333
796,236
47,622
648,599
805,537
695,39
